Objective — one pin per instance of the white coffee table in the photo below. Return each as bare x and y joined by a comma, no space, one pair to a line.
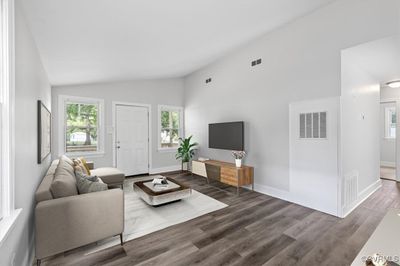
158,195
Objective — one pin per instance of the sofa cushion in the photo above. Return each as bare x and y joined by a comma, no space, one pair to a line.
86,186
64,182
109,175
43,191
67,159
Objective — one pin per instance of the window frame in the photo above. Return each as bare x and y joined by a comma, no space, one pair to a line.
8,213
62,126
159,126
388,118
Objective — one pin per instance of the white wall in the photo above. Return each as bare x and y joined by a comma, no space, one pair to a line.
154,92
31,85
388,93
301,61
360,131
388,146
314,162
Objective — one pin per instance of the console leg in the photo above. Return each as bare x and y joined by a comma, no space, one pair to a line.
122,241
38,262
237,190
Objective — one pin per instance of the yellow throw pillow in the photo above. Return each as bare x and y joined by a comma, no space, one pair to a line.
83,160
78,164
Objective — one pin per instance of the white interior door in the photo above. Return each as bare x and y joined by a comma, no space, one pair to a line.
132,139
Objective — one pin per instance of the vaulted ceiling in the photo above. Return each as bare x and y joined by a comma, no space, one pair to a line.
380,58
91,41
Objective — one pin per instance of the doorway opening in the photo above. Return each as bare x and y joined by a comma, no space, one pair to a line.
388,126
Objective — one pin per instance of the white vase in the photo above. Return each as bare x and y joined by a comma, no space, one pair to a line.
238,163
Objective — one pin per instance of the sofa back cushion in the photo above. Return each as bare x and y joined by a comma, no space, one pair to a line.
67,160
64,182
43,192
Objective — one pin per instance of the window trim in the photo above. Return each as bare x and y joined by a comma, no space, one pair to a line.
8,213
387,122
181,126
62,100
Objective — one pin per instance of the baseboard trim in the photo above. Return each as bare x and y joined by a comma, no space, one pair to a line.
362,196
273,192
388,164
165,169
30,255
287,196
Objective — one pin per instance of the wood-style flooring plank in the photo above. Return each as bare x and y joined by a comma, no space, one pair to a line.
255,229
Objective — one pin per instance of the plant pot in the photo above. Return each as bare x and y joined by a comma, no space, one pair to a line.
185,166
238,163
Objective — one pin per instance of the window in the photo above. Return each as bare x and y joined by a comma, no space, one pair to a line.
312,125
170,126
81,125
390,122
8,214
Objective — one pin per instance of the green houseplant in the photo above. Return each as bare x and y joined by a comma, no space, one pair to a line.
186,150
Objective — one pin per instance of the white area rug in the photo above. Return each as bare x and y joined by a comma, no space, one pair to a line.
142,219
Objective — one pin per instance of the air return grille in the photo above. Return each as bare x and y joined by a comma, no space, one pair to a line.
312,125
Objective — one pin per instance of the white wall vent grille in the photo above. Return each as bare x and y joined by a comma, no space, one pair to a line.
350,189
312,125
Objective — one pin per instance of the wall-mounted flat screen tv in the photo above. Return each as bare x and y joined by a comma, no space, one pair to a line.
226,136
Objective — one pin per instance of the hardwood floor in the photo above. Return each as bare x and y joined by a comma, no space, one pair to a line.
255,229
388,173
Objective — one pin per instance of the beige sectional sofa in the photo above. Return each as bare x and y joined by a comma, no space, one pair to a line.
66,220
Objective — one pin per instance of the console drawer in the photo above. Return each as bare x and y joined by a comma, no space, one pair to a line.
228,171
229,180
229,176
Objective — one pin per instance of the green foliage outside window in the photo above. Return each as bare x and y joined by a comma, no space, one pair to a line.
81,127
170,128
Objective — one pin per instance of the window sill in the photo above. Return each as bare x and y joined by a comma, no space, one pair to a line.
167,150
387,138
7,224
86,154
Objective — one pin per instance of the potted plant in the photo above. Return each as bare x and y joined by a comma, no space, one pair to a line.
186,150
238,155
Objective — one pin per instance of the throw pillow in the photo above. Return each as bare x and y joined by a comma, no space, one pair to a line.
83,160
78,163
80,174
86,186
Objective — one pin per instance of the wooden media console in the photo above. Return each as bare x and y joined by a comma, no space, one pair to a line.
225,172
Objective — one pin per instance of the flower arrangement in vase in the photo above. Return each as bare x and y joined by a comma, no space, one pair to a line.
238,155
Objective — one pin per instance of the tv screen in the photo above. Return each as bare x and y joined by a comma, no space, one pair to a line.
226,136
